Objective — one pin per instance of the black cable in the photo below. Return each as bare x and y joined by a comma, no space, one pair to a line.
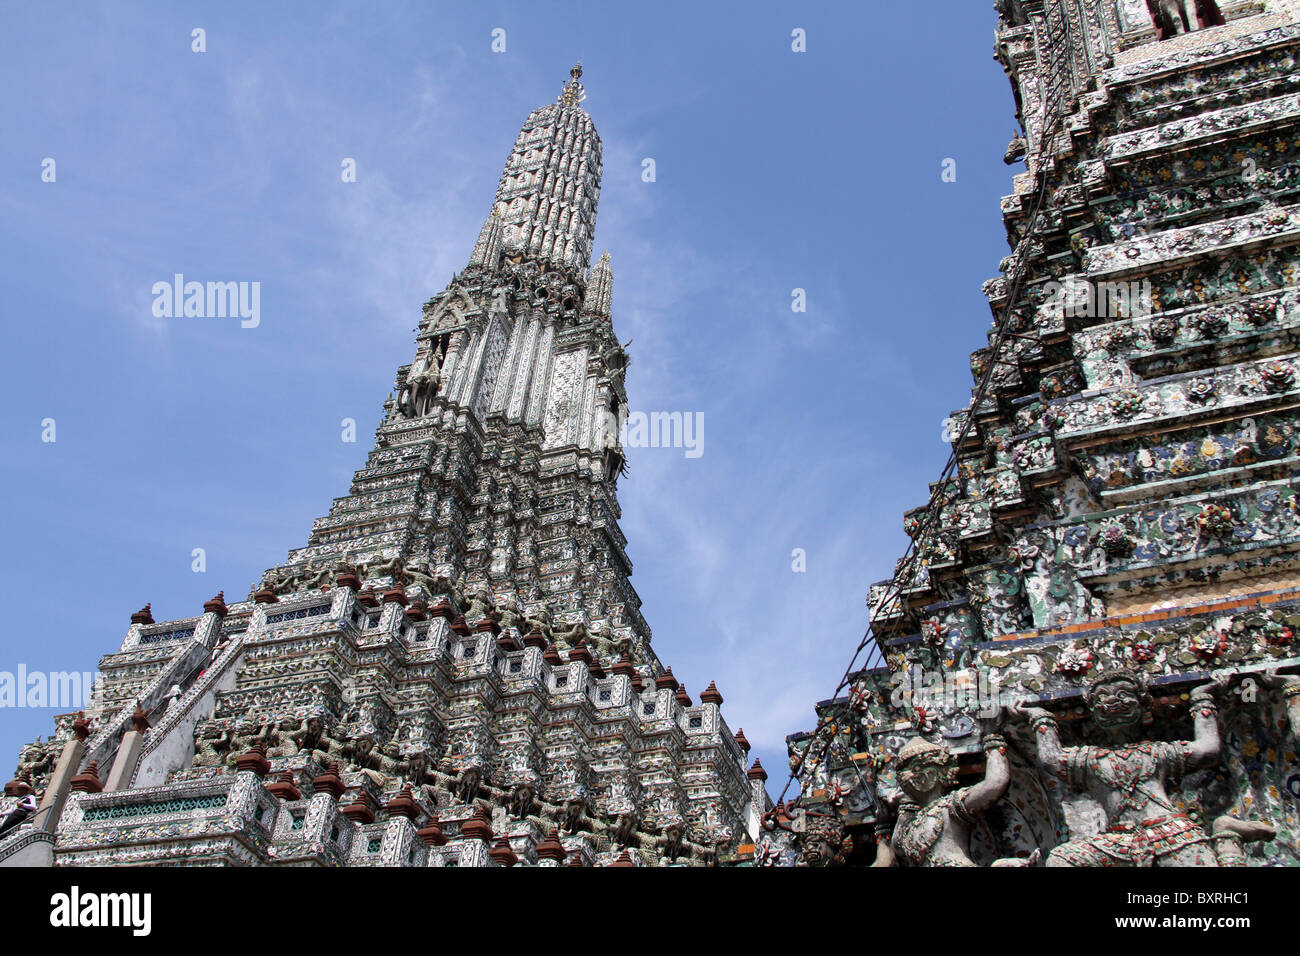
905,566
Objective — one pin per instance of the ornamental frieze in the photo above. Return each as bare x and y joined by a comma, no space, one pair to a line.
1071,558
1125,466
1248,385
1280,223
1158,208
1108,353
1176,62
1251,643
1158,101
1260,161
1182,133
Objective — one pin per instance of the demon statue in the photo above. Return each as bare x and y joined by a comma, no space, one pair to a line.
1128,776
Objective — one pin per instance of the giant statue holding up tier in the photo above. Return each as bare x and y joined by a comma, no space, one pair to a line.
1128,775
934,820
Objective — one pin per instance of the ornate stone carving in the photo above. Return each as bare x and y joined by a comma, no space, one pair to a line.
934,822
1129,778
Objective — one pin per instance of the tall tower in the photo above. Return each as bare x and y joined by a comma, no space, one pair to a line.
1121,493
454,669
498,460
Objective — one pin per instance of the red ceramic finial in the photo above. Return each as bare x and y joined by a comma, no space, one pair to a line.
551,848
254,760
477,827
88,780
285,788
217,605
402,805
329,782
666,680
19,787
360,810
431,833
502,853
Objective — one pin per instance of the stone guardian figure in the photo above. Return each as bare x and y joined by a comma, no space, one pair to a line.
1128,776
1172,17
934,821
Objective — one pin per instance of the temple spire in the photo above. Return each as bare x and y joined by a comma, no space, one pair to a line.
547,196
600,288
488,247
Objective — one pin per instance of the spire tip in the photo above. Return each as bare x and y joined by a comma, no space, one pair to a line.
573,93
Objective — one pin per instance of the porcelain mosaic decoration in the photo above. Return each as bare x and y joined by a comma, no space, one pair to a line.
1092,659
454,670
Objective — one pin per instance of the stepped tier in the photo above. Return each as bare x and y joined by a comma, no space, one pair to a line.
1122,497
454,669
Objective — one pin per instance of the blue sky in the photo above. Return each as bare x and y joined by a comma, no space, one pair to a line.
775,170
